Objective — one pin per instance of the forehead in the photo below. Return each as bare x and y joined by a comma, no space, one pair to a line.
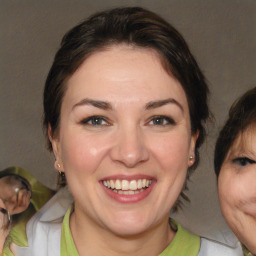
3,180
127,71
245,141
6,179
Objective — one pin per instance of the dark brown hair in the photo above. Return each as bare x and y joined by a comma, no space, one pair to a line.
241,115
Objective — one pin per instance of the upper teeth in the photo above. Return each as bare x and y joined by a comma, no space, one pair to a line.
126,184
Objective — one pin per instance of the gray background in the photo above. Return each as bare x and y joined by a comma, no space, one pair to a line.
221,34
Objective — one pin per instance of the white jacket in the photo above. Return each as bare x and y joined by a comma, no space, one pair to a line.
44,232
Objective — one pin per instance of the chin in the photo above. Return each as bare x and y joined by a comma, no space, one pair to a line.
128,226
126,232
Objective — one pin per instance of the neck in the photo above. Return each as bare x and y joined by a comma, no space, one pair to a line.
91,239
246,252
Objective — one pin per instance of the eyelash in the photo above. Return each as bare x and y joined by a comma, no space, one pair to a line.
157,121
243,161
164,120
95,121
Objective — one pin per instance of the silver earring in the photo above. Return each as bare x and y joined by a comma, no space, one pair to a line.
57,164
191,157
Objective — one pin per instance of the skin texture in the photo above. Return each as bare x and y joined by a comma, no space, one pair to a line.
3,232
2,215
3,218
237,188
129,141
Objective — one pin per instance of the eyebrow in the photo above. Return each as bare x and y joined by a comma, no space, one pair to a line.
95,103
160,103
107,106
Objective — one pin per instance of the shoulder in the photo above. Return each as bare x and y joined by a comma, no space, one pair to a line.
212,248
183,243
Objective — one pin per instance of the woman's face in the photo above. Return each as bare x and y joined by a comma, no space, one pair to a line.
124,140
237,188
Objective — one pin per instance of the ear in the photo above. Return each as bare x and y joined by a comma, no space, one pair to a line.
56,149
191,157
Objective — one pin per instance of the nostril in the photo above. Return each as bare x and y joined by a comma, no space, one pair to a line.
132,159
130,148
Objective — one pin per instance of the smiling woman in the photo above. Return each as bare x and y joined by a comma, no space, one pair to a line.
124,110
235,167
125,144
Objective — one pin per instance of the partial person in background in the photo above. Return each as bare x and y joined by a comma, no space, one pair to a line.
235,167
125,105
21,195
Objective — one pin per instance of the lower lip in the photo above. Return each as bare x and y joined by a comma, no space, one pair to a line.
129,198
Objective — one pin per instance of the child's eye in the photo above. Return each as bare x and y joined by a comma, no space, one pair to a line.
95,121
2,210
161,120
243,161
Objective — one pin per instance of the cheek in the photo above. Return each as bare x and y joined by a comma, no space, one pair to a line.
7,192
247,189
2,203
229,193
80,153
171,151
236,191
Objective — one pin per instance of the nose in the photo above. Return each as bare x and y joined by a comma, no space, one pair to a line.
130,148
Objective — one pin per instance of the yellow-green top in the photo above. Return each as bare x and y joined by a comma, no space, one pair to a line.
183,244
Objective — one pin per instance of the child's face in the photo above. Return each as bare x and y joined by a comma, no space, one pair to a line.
2,204
13,197
7,194
237,188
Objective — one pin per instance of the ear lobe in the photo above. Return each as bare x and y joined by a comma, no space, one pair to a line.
56,149
192,148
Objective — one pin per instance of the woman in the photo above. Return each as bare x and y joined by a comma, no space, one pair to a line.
124,108
21,195
235,167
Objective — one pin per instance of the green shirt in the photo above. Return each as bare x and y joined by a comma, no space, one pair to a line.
183,244
246,252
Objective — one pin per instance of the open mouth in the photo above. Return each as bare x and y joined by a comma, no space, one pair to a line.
126,187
